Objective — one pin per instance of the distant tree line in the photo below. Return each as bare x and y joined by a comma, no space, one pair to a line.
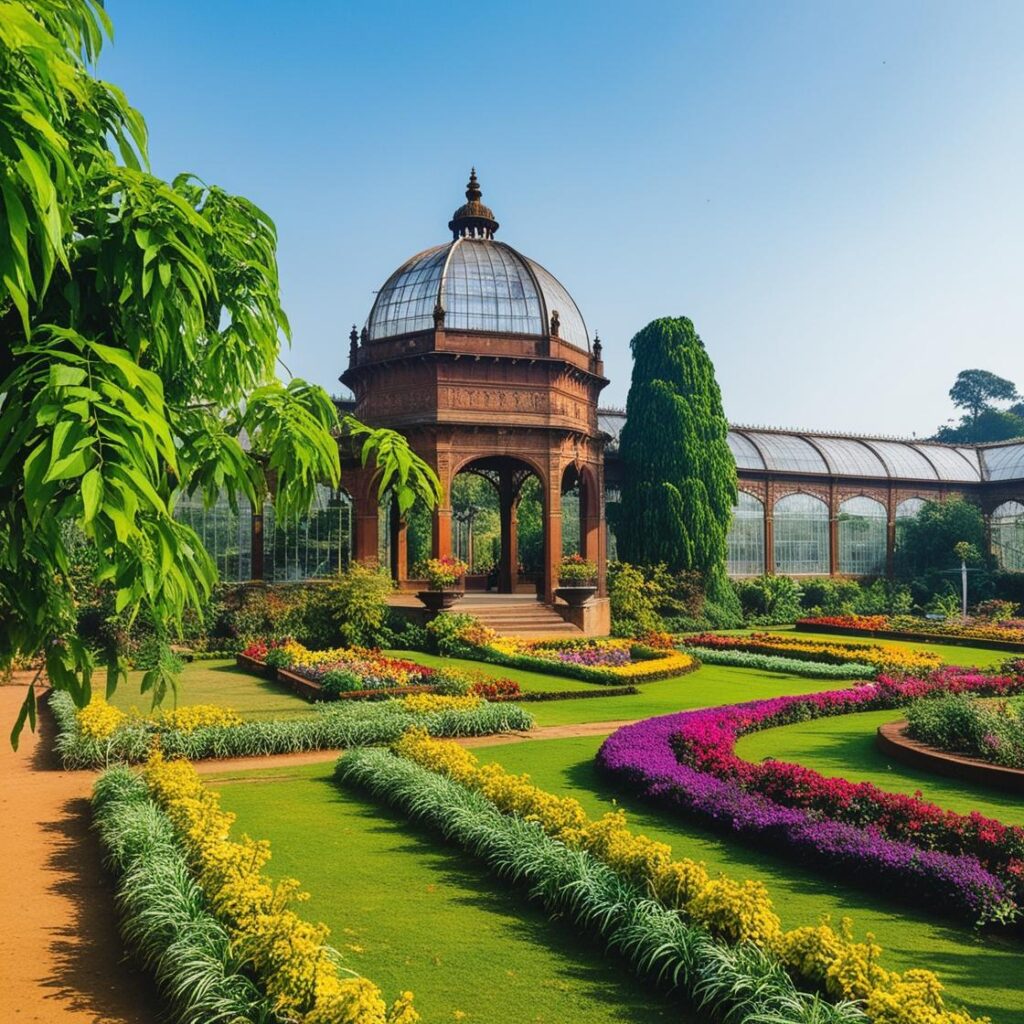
977,393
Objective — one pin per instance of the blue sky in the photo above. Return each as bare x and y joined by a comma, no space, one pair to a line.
833,192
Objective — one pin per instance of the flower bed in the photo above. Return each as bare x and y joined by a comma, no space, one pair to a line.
884,658
729,911
907,845
1000,635
962,724
327,727
287,955
779,663
728,982
588,659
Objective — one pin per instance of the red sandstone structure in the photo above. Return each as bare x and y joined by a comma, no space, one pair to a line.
482,359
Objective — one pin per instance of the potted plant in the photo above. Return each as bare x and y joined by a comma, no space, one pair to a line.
577,580
445,576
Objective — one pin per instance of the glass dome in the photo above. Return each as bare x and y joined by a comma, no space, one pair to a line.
480,284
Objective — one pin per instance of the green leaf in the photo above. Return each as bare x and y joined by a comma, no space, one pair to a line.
92,494
27,713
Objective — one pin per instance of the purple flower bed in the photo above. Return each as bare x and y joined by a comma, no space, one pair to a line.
595,656
643,756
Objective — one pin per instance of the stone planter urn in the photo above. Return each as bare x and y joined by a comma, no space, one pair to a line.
439,600
576,596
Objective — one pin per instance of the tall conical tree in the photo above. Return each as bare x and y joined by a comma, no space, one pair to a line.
679,475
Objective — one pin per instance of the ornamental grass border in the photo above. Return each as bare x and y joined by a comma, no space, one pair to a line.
944,639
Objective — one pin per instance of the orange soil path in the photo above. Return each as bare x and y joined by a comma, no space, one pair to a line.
61,958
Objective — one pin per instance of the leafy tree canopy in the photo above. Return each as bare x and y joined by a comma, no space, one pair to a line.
140,326
678,471
929,542
974,391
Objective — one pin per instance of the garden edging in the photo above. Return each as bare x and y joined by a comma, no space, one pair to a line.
892,741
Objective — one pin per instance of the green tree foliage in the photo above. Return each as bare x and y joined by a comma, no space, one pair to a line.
929,542
974,391
679,476
140,325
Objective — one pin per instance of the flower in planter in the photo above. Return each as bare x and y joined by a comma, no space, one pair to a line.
442,573
576,571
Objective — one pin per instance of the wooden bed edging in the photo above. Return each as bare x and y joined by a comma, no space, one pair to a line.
891,741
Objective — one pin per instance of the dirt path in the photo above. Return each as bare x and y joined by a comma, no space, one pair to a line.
61,958
544,732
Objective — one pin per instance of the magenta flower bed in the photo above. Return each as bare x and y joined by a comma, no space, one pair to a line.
966,863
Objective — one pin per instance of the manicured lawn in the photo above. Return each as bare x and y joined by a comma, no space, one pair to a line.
845,746
982,972
218,682
710,684
410,912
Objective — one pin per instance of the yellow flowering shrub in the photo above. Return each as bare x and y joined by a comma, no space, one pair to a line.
422,703
98,719
730,910
288,954
195,716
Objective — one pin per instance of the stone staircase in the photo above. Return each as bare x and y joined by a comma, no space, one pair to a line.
516,615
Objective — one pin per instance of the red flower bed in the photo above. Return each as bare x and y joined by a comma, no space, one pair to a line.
495,689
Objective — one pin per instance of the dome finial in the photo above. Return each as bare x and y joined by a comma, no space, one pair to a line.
473,220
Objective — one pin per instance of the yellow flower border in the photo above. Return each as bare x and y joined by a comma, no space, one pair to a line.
288,954
730,910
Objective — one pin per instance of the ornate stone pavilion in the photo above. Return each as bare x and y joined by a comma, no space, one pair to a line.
482,359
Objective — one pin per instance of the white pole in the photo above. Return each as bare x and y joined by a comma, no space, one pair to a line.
963,586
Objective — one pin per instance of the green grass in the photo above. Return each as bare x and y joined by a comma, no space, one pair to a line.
218,682
982,972
409,912
710,684
846,746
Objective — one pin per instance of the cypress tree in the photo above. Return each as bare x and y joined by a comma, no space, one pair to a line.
679,475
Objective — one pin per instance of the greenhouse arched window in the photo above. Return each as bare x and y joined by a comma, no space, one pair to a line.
746,537
862,536
909,508
1008,535
801,535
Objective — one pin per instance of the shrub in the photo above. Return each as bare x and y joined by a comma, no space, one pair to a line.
769,600
634,600
359,596
340,681
446,632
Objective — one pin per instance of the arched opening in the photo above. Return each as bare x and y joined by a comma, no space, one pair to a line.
1008,536
906,510
745,542
496,513
863,527
801,535
581,513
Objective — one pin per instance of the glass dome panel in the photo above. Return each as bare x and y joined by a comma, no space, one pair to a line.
1004,463
949,463
744,451
487,288
904,462
611,423
850,458
789,453
406,302
571,326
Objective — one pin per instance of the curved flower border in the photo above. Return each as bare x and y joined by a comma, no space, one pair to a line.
711,789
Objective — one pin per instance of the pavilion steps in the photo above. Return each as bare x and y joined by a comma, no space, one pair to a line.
517,615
